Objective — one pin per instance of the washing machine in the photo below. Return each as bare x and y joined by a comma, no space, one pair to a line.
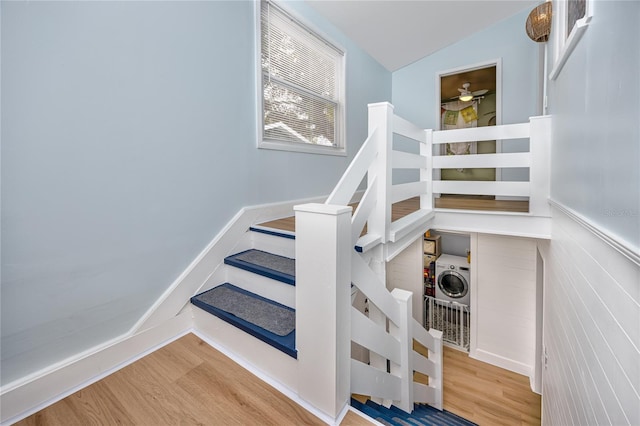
453,279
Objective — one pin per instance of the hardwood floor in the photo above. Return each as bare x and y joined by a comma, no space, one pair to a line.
487,395
188,382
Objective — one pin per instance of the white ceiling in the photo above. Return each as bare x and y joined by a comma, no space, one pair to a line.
399,32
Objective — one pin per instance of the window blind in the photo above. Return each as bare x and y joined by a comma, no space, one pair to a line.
301,81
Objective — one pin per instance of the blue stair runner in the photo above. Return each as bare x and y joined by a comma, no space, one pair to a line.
423,415
264,319
269,321
274,232
266,264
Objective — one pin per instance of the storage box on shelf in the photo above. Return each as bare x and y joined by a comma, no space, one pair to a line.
432,245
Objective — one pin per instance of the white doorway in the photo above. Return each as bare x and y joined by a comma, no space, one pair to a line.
483,82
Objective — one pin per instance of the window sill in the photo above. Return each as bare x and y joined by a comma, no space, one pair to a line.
302,147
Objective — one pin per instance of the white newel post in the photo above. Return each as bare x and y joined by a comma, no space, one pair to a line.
381,117
436,382
539,172
426,174
323,305
403,333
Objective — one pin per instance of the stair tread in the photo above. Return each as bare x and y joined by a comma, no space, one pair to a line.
267,264
273,231
269,321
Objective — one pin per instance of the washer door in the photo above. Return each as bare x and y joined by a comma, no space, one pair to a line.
453,284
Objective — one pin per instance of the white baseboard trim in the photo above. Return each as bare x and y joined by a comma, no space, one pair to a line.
23,398
502,362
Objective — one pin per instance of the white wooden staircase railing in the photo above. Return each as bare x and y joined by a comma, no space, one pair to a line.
327,264
390,330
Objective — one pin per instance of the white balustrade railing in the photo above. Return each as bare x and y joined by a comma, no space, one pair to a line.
327,264
537,160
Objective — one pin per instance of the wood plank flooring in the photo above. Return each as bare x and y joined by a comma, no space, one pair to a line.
188,382
487,395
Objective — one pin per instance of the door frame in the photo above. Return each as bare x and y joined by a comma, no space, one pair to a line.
466,68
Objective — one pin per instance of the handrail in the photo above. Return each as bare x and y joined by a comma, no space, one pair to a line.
364,209
348,184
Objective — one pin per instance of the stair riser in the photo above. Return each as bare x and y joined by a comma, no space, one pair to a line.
266,287
262,357
273,244
270,243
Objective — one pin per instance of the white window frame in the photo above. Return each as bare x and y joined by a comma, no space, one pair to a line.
563,44
340,148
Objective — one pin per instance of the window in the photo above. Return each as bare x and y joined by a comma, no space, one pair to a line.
302,86
570,22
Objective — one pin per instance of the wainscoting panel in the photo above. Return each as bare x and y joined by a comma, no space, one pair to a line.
591,329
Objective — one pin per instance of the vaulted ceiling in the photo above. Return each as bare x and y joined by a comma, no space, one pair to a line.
399,32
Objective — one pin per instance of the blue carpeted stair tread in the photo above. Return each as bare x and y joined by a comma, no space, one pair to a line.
264,319
422,415
267,264
273,231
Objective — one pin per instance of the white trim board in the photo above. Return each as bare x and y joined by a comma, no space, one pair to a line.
622,246
502,362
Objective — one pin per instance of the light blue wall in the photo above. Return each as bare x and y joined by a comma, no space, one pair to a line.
414,87
128,142
595,102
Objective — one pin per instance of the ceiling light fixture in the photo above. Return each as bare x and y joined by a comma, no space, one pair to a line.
538,23
465,93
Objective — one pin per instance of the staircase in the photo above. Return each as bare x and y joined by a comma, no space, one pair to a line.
422,415
314,324
291,293
258,277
